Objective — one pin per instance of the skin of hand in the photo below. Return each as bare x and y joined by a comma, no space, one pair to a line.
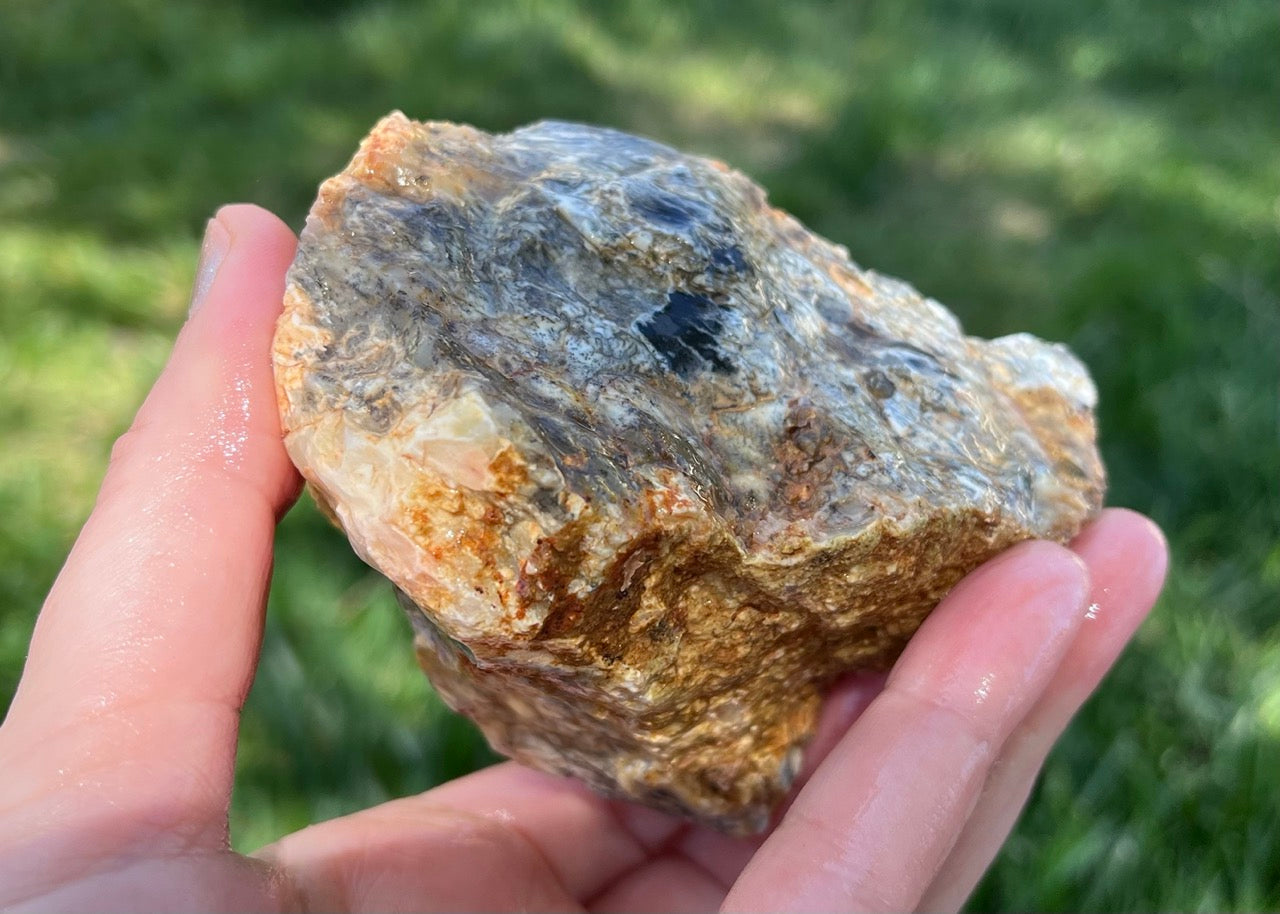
118,751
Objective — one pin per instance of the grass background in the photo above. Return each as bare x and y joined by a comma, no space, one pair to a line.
1103,172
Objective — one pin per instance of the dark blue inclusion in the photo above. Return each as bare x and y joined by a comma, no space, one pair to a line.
667,209
684,332
729,259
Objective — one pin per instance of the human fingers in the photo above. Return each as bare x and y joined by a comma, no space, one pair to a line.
878,818
1127,559
503,838
147,642
597,851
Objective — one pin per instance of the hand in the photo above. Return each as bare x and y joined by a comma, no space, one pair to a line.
118,751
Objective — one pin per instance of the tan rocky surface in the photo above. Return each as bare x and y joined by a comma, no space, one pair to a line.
648,462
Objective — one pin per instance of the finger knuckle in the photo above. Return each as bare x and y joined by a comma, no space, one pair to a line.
128,448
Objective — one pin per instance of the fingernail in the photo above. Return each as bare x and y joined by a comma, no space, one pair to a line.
217,241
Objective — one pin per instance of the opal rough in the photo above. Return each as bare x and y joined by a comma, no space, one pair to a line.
649,463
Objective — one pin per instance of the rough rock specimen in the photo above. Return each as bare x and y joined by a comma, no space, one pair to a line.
648,462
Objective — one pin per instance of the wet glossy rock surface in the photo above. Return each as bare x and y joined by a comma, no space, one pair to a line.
648,462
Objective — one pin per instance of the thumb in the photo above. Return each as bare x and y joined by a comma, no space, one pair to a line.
147,643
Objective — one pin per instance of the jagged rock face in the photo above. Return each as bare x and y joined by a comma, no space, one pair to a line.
649,463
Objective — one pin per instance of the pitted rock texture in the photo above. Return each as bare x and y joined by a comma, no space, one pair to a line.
649,463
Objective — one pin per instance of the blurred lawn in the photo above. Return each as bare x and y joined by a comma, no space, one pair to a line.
1103,172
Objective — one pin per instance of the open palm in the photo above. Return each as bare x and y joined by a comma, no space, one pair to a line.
118,751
